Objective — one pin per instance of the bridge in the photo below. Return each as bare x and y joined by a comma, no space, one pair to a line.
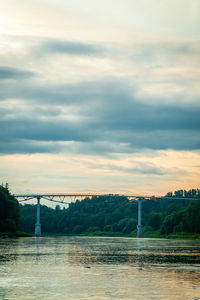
62,199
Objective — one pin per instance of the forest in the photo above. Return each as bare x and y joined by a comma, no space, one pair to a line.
110,215
117,215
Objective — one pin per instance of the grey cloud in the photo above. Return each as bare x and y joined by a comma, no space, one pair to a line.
69,47
27,146
111,104
108,119
140,168
167,139
181,47
167,50
14,73
22,112
65,94
157,57
45,130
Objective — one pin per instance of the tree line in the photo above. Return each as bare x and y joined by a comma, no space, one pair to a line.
100,215
116,215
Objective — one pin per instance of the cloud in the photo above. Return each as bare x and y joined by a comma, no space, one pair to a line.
137,168
100,116
109,115
45,130
27,147
165,49
69,47
14,73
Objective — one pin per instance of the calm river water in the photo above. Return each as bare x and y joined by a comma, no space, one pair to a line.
99,268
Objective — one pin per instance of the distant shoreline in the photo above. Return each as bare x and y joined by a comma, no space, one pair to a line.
15,234
153,234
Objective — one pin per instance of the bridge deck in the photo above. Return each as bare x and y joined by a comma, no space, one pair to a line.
62,197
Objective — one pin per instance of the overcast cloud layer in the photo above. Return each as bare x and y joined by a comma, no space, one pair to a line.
113,86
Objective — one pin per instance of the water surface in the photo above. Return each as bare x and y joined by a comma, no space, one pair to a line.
99,268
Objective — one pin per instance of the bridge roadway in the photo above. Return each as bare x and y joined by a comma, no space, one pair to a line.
61,197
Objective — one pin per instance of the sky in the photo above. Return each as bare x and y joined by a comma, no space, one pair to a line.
100,96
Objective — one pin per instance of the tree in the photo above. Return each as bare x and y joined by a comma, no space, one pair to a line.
172,222
192,217
127,225
155,220
9,210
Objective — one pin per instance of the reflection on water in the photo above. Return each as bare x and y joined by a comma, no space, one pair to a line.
139,247
37,243
99,268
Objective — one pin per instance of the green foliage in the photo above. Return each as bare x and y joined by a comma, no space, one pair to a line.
93,229
115,215
50,218
78,229
99,214
147,229
187,219
9,210
155,220
191,218
127,225
108,228
172,221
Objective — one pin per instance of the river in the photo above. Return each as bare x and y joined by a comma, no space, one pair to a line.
99,268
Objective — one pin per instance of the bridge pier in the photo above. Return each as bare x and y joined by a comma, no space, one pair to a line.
139,226
38,225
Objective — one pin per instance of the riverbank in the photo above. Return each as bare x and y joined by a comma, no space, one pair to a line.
15,234
174,235
152,234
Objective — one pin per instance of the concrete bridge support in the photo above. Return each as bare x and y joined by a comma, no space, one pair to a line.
38,225
139,226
